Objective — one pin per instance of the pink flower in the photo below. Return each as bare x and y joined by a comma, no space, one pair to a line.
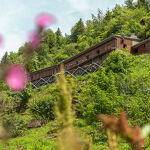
1,40
34,39
16,77
45,19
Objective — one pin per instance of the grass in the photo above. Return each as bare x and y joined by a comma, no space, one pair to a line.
38,139
33,139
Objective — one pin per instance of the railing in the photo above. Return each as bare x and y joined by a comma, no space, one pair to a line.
79,71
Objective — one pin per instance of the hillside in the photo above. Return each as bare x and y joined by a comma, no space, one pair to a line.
41,118
122,83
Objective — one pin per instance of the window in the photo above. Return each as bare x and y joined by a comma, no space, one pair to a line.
87,57
97,51
122,41
124,46
136,50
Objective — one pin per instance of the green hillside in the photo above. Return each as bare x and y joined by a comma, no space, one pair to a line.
123,83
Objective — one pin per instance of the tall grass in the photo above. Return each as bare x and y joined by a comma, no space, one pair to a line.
67,139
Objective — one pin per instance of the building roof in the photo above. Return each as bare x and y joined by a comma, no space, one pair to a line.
89,49
99,44
141,43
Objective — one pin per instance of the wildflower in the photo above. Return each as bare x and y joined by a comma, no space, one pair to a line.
16,77
121,127
45,19
1,40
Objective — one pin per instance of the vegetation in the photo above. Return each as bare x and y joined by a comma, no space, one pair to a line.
118,85
123,83
42,108
133,17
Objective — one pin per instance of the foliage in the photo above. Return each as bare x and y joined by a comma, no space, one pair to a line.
129,3
77,30
11,101
49,38
42,107
20,99
14,125
5,58
59,37
67,139
83,35
6,105
123,83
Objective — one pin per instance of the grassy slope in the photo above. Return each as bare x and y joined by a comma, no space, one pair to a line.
38,139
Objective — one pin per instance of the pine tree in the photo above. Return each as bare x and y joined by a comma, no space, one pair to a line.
49,38
129,3
5,58
141,3
77,30
58,37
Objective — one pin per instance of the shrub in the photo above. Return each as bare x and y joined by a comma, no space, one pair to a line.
122,84
14,125
6,104
20,99
42,107
119,61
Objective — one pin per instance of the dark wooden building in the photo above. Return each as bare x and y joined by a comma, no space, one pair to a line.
95,54
141,47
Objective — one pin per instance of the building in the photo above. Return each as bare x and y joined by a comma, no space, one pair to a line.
89,59
99,52
141,47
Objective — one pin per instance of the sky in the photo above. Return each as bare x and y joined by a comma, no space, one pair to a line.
17,17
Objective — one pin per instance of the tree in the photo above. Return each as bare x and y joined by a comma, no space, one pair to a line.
15,57
108,16
5,58
70,49
59,37
99,17
129,3
98,24
42,54
49,38
77,30
147,4
141,3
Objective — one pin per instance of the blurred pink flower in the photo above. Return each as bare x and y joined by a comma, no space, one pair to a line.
1,40
34,39
16,77
45,19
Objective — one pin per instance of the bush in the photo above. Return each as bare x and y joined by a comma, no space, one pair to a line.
6,104
119,62
20,99
122,84
14,125
43,107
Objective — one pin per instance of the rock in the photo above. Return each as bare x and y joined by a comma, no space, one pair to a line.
53,136
36,123
52,131
53,124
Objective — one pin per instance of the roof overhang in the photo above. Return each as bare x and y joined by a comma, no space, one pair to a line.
141,43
